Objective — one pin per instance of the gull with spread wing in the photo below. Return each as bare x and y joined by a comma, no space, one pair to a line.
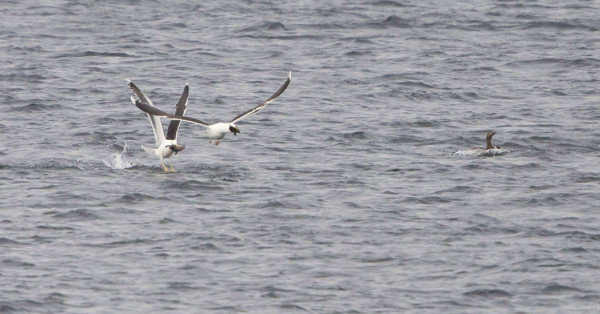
215,131
165,145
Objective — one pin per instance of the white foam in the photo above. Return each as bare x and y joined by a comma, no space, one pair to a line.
478,152
119,160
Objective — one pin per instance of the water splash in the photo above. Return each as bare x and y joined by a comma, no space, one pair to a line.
119,160
478,152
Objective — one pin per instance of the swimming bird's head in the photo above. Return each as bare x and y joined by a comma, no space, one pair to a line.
234,129
489,135
176,148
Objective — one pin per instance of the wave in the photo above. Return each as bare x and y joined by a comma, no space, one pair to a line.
580,62
556,288
267,26
387,3
77,214
552,25
99,138
23,77
357,53
392,21
170,26
195,185
488,293
358,135
136,198
55,164
362,40
289,37
34,107
94,54
8,242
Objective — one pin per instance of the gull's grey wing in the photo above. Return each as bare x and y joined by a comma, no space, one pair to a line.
139,94
159,133
157,112
179,111
259,107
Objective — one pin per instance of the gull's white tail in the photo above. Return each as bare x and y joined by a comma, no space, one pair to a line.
150,150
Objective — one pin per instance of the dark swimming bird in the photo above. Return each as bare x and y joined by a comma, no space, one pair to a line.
488,139
218,130
165,145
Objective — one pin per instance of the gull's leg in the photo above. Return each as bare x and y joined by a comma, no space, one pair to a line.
217,143
162,162
171,163
210,141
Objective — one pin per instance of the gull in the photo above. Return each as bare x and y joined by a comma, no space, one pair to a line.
165,145
218,130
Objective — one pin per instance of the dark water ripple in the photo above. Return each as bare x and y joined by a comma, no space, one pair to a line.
354,192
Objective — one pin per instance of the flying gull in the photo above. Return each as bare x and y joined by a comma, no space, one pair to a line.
218,130
165,145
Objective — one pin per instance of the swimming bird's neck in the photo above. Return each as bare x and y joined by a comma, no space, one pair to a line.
489,143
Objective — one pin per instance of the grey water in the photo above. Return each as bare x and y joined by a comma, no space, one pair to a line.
348,194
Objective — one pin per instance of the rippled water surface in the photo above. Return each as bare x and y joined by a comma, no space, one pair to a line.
356,191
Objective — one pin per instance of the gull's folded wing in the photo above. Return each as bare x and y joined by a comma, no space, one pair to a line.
159,133
179,111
